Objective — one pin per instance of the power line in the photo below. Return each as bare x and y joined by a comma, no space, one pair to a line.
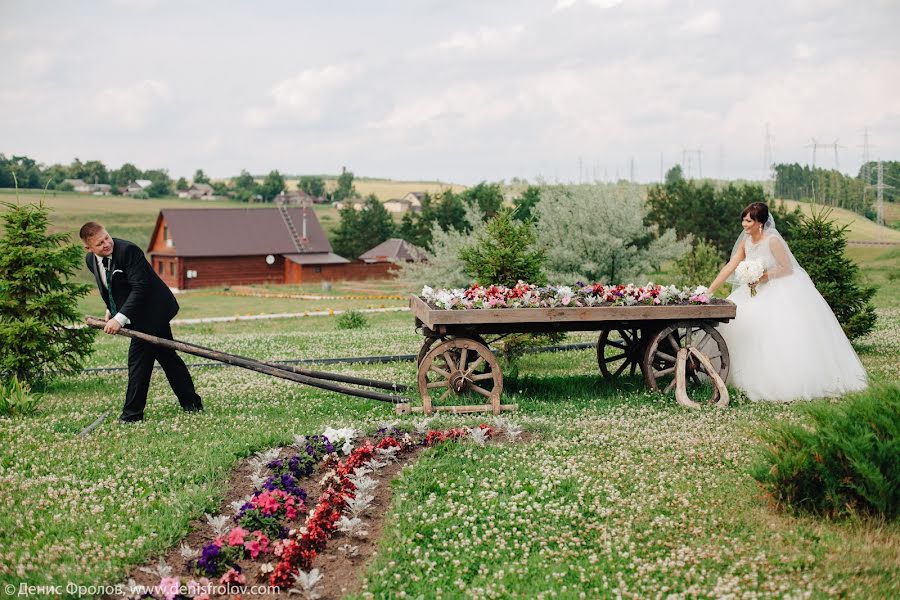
880,187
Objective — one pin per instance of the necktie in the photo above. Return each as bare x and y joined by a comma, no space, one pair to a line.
107,263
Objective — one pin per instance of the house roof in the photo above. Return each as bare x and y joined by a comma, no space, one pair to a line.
201,187
239,231
317,258
393,249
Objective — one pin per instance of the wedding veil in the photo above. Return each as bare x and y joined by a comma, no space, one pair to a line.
785,263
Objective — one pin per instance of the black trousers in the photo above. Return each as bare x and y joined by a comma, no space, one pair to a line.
141,356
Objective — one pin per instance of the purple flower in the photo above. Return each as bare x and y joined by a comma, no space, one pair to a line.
209,559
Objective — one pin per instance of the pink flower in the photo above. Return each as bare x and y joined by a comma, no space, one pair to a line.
170,587
236,536
253,548
231,576
566,300
196,589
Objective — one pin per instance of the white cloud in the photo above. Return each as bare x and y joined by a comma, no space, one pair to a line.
302,98
803,51
563,5
703,24
37,62
484,38
605,3
134,105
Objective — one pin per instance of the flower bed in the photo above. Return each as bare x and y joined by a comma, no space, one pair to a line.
524,295
267,526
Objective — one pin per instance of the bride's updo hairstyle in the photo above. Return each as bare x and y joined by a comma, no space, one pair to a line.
758,211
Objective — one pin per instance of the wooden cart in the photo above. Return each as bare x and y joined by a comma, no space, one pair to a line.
456,363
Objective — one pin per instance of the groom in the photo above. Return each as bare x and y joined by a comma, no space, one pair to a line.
137,297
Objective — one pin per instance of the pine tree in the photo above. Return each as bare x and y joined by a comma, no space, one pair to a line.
818,245
38,299
505,253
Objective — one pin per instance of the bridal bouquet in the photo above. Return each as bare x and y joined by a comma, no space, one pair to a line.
749,272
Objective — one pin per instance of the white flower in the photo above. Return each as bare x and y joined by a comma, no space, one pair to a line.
748,271
217,523
700,289
479,435
306,584
188,553
347,448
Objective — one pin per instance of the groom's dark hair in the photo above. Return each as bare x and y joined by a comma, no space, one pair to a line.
758,211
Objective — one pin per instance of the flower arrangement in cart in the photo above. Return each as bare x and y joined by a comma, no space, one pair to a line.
525,295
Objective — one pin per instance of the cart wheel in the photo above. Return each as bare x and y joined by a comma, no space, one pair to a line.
429,342
627,352
662,350
460,367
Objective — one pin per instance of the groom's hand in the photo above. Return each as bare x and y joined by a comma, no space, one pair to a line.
112,327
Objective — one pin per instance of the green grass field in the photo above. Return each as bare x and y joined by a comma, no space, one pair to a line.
617,492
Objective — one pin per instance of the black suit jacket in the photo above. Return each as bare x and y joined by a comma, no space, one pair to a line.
138,291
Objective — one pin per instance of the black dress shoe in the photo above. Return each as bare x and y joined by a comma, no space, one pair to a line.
129,420
194,408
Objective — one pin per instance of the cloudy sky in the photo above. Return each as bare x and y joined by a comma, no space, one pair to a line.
453,90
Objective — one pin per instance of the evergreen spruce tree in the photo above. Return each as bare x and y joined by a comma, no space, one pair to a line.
506,252
38,298
818,245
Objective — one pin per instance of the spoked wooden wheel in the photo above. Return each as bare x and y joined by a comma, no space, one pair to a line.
625,354
460,369
662,350
429,342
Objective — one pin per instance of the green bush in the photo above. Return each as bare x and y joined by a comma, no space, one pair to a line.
846,462
16,399
352,319
699,266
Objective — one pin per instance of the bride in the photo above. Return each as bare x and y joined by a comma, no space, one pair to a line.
785,343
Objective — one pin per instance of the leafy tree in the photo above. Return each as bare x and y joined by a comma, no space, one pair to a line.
245,187
271,186
597,233
182,184
505,252
703,212
200,177
38,299
819,246
21,171
362,230
313,185
55,175
488,197
125,174
450,212
674,175
94,171
244,181
526,202
443,268
160,185
345,188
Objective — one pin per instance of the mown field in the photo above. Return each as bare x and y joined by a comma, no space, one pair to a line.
616,492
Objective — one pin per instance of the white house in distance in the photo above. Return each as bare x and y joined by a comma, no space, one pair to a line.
412,201
139,185
97,189
198,191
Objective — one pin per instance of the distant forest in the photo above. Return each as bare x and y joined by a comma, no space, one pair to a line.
828,186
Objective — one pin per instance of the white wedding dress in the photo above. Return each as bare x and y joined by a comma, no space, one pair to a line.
785,343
